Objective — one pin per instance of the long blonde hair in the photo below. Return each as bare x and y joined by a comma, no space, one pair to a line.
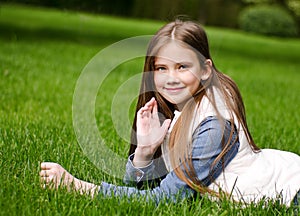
193,35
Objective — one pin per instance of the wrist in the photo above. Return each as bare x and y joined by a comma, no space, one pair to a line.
144,153
84,187
142,157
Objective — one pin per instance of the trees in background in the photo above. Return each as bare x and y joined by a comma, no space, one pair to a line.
292,6
271,17
223,13
268,20
210,12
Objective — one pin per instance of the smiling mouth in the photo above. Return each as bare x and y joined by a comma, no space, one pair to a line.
174,90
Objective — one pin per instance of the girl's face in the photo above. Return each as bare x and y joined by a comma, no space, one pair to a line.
177,73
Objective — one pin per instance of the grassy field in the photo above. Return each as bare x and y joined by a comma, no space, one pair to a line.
42,54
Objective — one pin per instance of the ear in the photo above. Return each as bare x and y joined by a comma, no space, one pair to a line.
207,70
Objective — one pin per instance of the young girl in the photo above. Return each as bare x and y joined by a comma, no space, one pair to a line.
190,133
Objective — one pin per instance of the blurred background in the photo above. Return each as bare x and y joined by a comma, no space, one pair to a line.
270,17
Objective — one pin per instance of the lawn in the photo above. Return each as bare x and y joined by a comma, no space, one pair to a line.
42,55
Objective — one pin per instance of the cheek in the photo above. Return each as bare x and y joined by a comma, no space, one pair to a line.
192,82
191,79
159,80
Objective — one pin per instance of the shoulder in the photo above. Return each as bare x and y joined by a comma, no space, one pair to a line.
212,124
211,131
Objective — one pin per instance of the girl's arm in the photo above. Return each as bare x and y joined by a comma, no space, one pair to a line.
54,175
207,145
150,135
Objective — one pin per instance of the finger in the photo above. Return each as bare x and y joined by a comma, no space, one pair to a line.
144,109
165,125
155,116
47,165
43,179
47,180
145,112
150,103
142,112
44,173
155,110
43,166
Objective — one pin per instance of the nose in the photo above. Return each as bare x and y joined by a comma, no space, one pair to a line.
173,77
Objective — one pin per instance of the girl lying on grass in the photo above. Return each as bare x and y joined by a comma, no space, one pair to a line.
190,133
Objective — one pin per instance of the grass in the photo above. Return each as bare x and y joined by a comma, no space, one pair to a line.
41,57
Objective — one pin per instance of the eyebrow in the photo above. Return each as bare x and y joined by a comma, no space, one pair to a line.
177,63
185,63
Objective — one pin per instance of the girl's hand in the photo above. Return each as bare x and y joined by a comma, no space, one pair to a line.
54,175
150,134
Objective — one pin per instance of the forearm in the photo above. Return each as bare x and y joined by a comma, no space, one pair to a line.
170,189
84,187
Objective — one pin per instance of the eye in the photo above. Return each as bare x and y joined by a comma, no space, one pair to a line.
183,67
160,68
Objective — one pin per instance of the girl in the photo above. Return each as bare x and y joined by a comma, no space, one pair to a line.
190,133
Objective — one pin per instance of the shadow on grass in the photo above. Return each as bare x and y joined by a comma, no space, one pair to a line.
14,33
